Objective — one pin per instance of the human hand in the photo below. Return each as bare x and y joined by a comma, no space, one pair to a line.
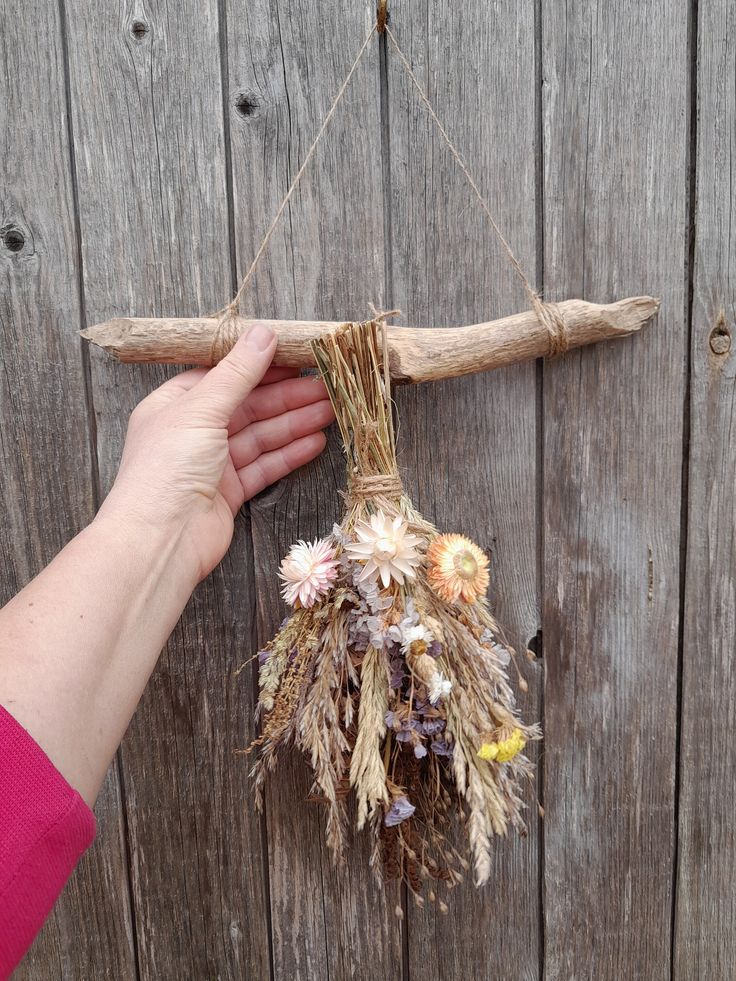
207,441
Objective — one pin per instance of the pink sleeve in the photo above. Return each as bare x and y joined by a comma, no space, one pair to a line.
44,828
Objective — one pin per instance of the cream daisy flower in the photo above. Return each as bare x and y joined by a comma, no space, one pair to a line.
412,634
458,569
386,548
308,572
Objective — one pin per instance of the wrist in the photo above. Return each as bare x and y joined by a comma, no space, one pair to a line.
152,546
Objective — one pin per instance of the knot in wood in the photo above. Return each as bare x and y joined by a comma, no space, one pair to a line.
720,336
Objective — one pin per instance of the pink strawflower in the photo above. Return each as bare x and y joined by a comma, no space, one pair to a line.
308,572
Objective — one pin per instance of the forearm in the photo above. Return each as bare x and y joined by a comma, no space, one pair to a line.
79,643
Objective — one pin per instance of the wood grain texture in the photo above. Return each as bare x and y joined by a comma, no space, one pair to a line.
705,926
286,61
415,354
569,475
47,489
151,162
615,217
469,446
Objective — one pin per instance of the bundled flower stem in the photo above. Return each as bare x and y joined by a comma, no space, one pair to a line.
390,674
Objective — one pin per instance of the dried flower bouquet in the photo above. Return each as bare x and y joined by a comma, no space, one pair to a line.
390,674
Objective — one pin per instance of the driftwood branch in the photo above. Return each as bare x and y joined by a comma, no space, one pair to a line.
415,354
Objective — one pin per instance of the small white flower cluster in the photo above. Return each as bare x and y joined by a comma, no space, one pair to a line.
439,687
367,623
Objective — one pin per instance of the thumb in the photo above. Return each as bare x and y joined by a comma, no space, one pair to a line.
225,386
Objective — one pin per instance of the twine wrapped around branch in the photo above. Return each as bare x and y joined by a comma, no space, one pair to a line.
390,673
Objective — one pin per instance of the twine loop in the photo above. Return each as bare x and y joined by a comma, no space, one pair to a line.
226,333
549,315
297,177
551,318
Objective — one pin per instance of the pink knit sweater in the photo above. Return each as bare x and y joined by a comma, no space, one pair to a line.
44,828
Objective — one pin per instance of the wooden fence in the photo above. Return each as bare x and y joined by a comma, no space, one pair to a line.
144,147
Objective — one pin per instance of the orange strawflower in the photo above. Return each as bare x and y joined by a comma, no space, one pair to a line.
458,569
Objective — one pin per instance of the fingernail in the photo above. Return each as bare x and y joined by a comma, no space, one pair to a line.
260,337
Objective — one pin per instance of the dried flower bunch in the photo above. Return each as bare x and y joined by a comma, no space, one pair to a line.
390,674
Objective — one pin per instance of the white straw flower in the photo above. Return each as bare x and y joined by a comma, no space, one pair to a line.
307,572
439,687
386,548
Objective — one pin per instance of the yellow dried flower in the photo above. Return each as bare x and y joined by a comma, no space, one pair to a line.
504,750
458,569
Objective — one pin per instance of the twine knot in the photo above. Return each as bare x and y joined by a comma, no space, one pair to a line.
381,316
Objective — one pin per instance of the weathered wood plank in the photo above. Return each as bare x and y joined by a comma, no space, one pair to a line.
152,161
705,927
286,62
47,491
469,447
147,99
615,203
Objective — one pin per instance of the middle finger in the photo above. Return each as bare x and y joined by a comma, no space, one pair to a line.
271,434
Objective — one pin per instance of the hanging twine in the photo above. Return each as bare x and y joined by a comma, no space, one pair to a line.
226,329
547,313
226,333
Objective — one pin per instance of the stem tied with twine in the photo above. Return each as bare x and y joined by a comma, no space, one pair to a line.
395,691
